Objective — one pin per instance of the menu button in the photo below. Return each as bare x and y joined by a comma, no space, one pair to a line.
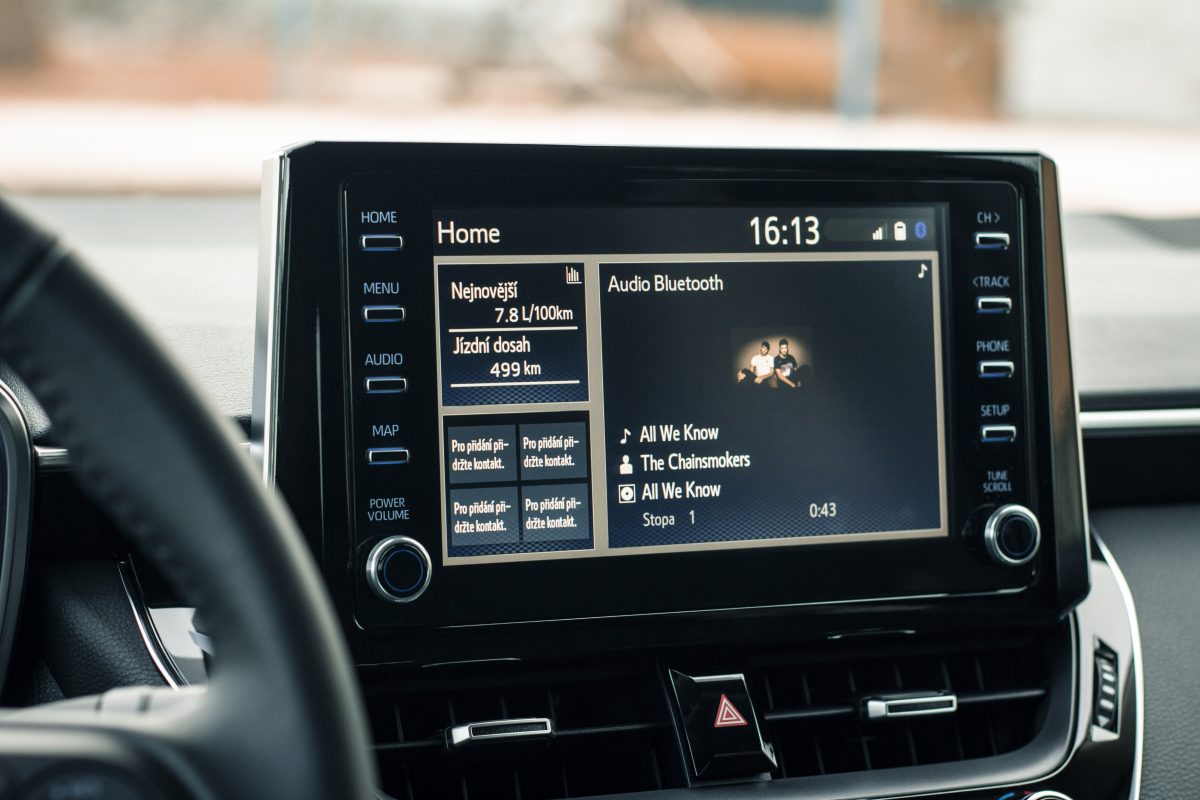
383,313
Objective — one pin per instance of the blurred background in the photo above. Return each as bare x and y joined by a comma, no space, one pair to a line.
205,88
139,127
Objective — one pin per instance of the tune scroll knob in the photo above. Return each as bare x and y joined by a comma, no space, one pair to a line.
1012,535
398,569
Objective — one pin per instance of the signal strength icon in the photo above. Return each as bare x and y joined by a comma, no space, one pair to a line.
878,234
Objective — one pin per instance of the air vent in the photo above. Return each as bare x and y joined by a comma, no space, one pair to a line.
812,709
612,734
612,729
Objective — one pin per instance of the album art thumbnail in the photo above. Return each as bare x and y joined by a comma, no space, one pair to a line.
778,358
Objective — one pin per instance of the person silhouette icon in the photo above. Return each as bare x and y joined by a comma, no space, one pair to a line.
626,468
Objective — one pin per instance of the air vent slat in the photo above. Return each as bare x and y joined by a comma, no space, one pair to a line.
1005,696
411,747
819,712
612,730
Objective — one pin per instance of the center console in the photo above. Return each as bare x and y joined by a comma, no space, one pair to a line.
632,468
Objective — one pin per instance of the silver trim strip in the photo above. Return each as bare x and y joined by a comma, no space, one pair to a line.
894,707
1162,421
265,397
58,459
1139,682
52,459
477,732
18,497
163,661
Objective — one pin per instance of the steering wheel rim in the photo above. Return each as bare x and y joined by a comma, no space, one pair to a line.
282,715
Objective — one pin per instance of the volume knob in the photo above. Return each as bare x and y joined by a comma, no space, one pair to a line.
1012,535
398,569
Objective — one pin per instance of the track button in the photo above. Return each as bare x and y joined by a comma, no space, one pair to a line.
993,305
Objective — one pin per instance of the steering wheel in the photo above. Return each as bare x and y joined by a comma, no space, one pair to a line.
282,715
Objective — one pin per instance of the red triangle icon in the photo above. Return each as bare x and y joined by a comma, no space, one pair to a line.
728,716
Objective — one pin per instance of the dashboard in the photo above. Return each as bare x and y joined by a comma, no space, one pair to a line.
644,469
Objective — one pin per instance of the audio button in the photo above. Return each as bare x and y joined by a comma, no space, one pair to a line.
386,384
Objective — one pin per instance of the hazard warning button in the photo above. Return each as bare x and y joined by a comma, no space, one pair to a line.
727,714
716,717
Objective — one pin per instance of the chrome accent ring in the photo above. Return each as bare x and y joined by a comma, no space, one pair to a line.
377,554
991,533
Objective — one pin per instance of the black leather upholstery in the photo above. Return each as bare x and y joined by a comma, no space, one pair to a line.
283,717
1158,550
35,416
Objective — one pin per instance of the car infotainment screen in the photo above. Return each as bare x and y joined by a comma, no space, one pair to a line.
621,381
504,385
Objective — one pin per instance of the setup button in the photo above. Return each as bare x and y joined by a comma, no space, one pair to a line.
994,434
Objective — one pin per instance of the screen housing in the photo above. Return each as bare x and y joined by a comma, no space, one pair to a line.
307,436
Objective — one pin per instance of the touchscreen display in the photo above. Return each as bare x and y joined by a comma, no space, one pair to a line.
629,381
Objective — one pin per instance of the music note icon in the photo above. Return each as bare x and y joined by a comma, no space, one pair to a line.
924,269
625,438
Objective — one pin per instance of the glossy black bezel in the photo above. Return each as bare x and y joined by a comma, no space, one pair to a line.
926,580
